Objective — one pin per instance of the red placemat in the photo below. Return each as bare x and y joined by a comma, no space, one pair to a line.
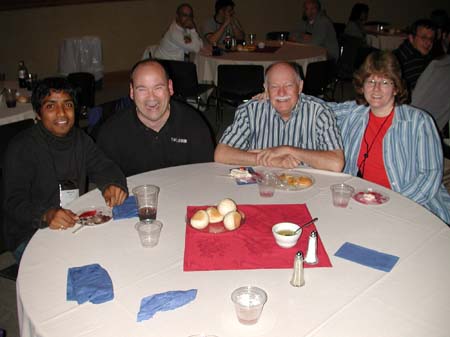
251,246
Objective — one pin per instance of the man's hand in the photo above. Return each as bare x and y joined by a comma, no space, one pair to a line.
276,157
60,218
114,195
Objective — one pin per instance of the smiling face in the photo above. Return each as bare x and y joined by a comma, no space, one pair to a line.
379,92
283,87
151,91
57,113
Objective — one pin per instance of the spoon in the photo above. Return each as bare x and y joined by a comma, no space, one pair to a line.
306,224
82,222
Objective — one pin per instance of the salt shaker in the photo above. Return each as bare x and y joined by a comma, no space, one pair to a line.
311,255
298,279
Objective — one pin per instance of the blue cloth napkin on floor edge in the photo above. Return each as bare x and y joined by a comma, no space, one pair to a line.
169,300
127,210
367,257
89,283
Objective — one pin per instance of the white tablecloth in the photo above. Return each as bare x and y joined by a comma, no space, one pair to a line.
385,41
290,51
346,300
20,112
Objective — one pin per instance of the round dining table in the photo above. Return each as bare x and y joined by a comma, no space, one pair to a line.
272,52
347,299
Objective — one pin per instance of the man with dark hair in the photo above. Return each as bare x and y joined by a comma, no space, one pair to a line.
181,38
316,28
414,53
223,23
159,131
46,167
286,130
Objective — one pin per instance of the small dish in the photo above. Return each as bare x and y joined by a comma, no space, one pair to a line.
293,181
284,234
370,197
94,216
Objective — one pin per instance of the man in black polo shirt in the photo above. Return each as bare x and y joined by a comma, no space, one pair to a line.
159,132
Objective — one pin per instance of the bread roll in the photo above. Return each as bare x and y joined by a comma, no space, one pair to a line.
226,206
304,182
232,220
200,219
22,99
214,215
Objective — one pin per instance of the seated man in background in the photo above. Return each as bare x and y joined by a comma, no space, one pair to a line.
181,38
159,131
316,28
285,131
223,23
414,53
358,17
46,167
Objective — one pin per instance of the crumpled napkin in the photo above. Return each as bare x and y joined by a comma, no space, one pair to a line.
89,283
127,210
169,300
367,257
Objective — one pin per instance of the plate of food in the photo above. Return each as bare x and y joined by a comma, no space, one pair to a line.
293,181
371,197
94,216
247,48
215,220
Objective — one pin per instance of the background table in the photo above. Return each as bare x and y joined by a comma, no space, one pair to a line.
289,51
20,112
385,41
346,300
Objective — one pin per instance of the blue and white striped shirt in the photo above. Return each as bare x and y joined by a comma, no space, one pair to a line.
257,125
412,153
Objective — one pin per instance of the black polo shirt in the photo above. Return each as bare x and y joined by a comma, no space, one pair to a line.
184,139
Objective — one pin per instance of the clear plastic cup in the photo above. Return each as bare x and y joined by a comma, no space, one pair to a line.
248,303
266,184
149,232
341,194
147,201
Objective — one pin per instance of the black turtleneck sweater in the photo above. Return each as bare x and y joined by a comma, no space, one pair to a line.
35,163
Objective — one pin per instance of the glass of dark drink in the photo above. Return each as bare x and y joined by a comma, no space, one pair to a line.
147,201
10,97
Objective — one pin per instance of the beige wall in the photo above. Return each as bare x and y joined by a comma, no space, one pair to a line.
126,28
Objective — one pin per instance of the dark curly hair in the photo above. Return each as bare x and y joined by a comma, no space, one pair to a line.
44,87
382,63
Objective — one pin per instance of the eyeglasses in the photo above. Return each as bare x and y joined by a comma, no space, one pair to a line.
425,38
384,84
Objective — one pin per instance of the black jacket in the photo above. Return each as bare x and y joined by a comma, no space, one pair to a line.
30,183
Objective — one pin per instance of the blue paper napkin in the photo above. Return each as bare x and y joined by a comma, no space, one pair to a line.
367,257
169,300
127,210
89,283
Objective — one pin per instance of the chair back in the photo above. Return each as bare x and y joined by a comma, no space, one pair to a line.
276,35
318,76
149,52
243,81
84,84
184,77
339,28
362,54
8,131
349,51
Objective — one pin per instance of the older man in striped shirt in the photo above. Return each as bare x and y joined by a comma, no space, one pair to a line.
286,130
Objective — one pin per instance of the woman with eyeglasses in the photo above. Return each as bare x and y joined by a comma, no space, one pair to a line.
388,142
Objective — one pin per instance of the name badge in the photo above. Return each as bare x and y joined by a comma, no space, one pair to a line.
68,193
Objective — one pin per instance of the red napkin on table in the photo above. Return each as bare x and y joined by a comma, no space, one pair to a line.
251,246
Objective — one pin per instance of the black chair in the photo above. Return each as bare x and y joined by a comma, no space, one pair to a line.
319,75
84,84
236,84
275,36
185,82
7,132
339,28
362,54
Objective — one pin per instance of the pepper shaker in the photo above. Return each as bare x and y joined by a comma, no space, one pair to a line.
311,255
298,279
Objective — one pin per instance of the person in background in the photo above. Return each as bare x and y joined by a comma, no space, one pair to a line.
224,22
287,130
47,166
181,38
358,17
441,20
414,54
159,131
390,143
316,28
